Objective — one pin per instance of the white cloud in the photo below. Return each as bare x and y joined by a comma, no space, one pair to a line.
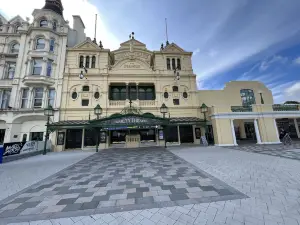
83,8
197,50
289,91
297,61
275,59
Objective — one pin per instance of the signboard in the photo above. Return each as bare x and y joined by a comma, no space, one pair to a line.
197,133
60,138
103,137
12,148
131,121
204,141
161,135
29,146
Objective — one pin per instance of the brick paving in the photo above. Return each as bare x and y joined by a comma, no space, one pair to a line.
286,151
117,180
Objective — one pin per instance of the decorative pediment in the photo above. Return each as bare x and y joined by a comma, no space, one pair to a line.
87,44
144,56
16,19
133,42
173,48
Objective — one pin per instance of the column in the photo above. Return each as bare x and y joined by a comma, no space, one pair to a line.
178,130
233,132
297,127
84,60
91,57
82,140
257,132
276,128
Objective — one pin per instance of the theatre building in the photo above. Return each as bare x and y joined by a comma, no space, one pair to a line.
134,97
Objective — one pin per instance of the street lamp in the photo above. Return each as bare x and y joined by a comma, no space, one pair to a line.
164,109
47,112
98,112
204,110
261,98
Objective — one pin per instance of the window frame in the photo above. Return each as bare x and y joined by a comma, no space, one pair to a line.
246,98
51,98
87,62
26,98
173,63
37,44
7,75
93,65
42,21
168,64
175,101
86,100
33,66
86,87
52,45
49,68
5,104
13,50
54,25
81,61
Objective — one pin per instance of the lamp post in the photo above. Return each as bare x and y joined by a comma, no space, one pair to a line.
164,109
47,112
204,110
97,112
261,98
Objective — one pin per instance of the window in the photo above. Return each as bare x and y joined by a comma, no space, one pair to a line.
52,45
146,93
74,95
36,136
178,64
175,88
81,62
173,64
38,97
15,48
5,97
168,64
185,94
97,95
24,100
54,25
85,102
24,139
40,43
85,88
43,23
176,101
248,97
166,95
11,70
37,67
49,68
149,94
93,61
132,93
51,97
118,93
87,62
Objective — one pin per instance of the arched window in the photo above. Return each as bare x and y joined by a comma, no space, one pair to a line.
115,94
93,61
43,23
87,62
81,61
40,43
175,88
15,48
85,88
173,64
52,45
11,70
142,94
132,93
248,97
178,64
123,94
54,25
168,64
149,94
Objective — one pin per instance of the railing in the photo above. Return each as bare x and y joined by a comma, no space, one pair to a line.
279,107
147,103
116,103
241,108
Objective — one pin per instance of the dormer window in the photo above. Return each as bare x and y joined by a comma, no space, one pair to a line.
43,23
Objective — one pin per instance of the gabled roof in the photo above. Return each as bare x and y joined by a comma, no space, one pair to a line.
87,44
134,41
3,19
16,19
172,48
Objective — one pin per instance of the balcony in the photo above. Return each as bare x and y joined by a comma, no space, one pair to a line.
117,103
136,103
241,108
279,107
147,103
38,80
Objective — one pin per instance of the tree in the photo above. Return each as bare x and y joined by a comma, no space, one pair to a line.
291,102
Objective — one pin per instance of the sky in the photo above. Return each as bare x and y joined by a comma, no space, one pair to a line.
230,39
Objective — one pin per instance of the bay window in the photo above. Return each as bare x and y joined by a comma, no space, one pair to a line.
51,96
24,100
38,97
4,98
37,66
40,43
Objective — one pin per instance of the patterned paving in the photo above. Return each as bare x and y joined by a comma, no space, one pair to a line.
117,180
286,151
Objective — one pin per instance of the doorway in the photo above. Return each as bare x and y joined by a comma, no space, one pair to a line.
186,134
118,136
74,138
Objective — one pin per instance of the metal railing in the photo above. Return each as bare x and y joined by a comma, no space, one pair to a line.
283,107
241,108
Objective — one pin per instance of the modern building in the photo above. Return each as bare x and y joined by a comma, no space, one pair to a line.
144,98
32,59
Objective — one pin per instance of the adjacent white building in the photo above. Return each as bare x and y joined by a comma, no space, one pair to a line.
32,58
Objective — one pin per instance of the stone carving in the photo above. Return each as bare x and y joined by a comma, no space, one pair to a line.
131,65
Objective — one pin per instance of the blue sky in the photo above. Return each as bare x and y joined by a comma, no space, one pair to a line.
231,39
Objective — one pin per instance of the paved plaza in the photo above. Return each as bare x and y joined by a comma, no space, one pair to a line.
271,184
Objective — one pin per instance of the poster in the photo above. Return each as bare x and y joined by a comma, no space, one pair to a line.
198,133
161,135
103,137
12,148
60,138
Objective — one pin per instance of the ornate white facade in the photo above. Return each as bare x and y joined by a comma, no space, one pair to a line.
32,57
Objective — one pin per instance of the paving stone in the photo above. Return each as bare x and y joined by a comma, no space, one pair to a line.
72,207
161,198
67,201
89,205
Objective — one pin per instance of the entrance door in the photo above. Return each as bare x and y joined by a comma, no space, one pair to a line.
74,138
148,135
118,136
250,131
186,134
